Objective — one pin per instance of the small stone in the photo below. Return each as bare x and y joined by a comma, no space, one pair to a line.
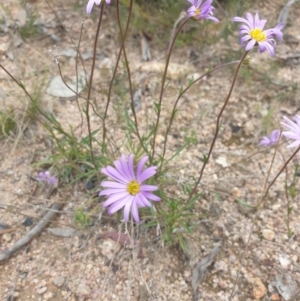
259,289
59,281
109,248
232,259
222,161
3,226
83,290
160,139
236,192
275,297
285,263
268,234
4,44
41,290
28,222
7,237
48,295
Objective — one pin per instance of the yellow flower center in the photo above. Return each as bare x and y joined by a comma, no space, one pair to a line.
197,11
133,187
258,35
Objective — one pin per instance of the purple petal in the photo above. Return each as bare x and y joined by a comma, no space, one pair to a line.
142,200
115,198
114,174
112,191
135,212
239,19
127,208
151,196
148,188
251,20
147,173
140,167
124,167
130,166
250,45
89,6
213,19
274,136
265,141
256,21
290,124
291,135
116,206
294,144
113,185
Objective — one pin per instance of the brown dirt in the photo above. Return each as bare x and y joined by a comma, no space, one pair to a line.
88,266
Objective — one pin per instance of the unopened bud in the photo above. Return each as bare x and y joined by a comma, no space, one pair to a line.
247,60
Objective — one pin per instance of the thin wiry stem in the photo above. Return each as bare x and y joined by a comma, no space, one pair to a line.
128,72
217,126
76,70
177,100
68,34
115,72
163,86
24,89
90,86
65,83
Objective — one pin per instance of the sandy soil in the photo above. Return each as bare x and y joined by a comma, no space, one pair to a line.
256,261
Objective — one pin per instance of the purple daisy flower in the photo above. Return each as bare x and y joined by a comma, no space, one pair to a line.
204,11
46,177
271,140
252,34
293,130
91,3
128,190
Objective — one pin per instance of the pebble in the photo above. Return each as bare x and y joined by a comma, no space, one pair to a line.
41,290
275,297
59,281
259,289
28,222
7,237
83,290
268,234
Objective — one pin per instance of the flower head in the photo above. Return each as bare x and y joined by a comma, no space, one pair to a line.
293,128
46,177
128,191
91,3
204,11
271,140
252,34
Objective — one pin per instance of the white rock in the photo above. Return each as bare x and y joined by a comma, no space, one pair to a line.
285,262
59,89
268,234
7,237
83,290
59,281
41,290
222,161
